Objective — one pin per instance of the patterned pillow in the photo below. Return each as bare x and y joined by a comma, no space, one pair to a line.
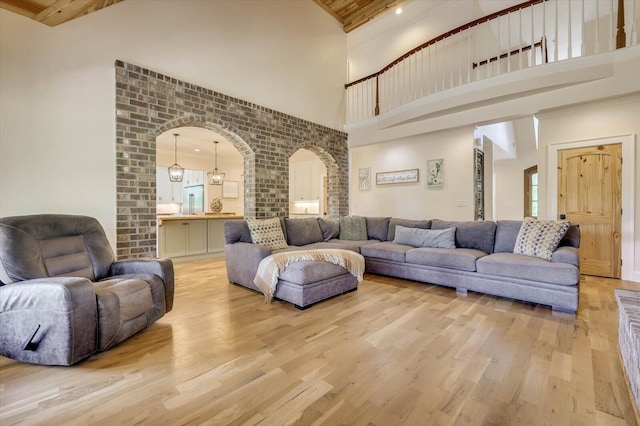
267,232
540,238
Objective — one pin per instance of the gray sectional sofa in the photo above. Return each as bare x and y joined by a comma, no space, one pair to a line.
482,260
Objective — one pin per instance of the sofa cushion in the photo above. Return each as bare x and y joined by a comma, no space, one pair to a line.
460,258
353,228
528,268
540,238
436,238
571,238
133,297
267,232
236,231
386,250
353,245
303,231
66,257
310,271
472,235
330,228
377,228
506,234
407,223
566,254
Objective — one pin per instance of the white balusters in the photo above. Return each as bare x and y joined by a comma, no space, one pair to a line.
569,35
469,55
555,41
612,29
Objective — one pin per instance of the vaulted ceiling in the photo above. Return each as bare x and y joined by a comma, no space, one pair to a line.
55,12
354,13
350,13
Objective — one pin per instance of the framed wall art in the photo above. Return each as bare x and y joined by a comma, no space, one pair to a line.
435,172
400,176
364,177
230,189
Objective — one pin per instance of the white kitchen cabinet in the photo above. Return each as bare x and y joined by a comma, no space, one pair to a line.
167,191
183,238
193,177
307,181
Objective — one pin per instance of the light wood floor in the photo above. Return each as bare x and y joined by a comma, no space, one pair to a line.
394,352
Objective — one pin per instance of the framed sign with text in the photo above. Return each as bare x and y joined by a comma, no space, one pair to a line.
400,176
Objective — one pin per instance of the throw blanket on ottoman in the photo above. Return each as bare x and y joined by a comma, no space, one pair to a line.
271,266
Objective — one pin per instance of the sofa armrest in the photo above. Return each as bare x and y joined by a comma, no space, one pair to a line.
65,311
566,254
242,261
163,268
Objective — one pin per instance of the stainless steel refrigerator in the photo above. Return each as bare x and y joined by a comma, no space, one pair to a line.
193,200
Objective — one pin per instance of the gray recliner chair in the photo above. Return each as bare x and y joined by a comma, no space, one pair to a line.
63,296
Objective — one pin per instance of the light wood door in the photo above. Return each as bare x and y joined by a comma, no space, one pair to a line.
589,194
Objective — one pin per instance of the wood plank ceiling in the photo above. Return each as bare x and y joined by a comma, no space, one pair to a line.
354,13
350,13
55,12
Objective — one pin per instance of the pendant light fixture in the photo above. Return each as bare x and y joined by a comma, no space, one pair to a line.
176,172
215,177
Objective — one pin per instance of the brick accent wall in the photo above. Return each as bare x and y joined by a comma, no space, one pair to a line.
149,103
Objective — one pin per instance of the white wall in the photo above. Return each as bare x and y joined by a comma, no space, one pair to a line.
608,118
509,185
57,86
416,200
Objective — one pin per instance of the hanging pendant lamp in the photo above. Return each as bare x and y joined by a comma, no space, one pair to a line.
176,172
215,177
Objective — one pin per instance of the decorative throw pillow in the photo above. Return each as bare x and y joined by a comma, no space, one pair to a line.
441,238
377,228
301,232
330,228
353,228
540,238
267,232
407,223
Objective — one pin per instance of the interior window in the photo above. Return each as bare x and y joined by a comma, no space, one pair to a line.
531,192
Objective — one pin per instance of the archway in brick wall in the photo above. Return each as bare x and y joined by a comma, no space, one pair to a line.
238,143
333,175
149,103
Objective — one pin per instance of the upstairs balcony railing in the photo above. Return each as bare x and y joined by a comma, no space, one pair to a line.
527,35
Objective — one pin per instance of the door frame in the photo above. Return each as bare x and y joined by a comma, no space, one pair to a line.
627,251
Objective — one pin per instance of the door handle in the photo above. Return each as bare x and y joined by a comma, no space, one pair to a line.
563,216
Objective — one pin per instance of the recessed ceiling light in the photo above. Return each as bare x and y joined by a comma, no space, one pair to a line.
197,150
398,10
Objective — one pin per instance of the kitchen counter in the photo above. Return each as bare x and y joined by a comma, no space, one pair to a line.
189,237
167,217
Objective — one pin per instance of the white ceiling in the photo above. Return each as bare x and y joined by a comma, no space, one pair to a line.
190,139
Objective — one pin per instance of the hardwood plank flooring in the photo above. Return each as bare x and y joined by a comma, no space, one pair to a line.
394,352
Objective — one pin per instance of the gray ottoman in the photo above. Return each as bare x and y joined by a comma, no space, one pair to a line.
307,282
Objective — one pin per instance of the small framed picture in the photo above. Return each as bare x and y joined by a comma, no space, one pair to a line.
435,172
230,189
365,179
